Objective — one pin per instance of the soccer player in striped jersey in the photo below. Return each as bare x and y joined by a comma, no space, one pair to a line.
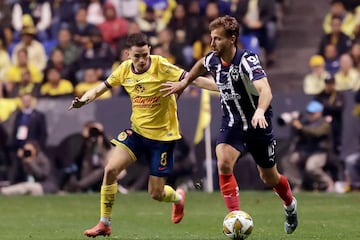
246,122
154,128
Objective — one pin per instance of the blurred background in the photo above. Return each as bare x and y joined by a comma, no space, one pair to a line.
52,51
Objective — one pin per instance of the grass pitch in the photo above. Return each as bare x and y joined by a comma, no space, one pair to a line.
136,216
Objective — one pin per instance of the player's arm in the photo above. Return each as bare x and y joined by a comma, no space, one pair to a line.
206,83
178,87
89,96
265,97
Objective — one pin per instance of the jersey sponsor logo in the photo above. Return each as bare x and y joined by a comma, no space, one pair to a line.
225,86
253,59
146,102
122,136
233,96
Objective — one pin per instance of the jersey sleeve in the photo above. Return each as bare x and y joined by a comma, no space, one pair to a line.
170,72
116,77
206,60
251,65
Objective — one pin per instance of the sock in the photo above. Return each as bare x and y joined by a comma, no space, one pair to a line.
291,206
171,195
230,191
107,199
283,190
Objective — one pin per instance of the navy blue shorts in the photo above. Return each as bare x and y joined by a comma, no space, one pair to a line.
159,155
260,143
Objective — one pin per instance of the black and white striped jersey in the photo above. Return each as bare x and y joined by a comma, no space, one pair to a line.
239,97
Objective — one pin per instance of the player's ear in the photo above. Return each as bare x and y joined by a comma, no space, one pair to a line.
233,39
127,52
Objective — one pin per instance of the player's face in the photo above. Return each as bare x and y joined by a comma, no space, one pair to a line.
220,43
140,57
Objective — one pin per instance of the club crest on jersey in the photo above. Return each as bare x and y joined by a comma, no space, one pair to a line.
139,88
122,136
234,74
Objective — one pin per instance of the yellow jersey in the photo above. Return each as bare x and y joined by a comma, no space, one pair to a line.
64,87
13,74
7,107
153,116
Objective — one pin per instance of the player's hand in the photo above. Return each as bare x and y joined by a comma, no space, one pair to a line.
297,124
76,103
259,119
173,87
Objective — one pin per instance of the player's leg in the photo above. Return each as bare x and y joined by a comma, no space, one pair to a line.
262,148
226,159
118,159
281,186
161,165
278,182
165,193
263,152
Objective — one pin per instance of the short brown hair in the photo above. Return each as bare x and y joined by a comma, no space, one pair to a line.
230,25
137,39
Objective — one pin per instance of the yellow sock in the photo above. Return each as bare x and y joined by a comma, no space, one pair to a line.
107,199
171,195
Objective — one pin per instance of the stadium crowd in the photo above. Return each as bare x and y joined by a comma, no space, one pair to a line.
61,48
334,72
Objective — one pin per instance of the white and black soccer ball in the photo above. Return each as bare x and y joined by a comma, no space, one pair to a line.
237,225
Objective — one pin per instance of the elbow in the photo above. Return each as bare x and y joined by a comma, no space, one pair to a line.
196,83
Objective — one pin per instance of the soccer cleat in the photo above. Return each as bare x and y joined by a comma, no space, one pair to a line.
99,230
291,221
178,208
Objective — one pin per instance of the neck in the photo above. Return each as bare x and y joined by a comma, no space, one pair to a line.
229,55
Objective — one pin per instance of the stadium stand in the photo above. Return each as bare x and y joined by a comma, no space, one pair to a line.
299,23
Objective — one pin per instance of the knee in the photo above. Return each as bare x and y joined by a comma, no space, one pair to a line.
157,195
270,180
225,166
110,173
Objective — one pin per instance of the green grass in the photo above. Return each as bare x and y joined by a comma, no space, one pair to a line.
136,216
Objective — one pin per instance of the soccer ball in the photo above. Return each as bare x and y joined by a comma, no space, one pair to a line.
237,225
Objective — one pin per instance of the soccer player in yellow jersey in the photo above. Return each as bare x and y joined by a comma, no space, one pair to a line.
154,128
